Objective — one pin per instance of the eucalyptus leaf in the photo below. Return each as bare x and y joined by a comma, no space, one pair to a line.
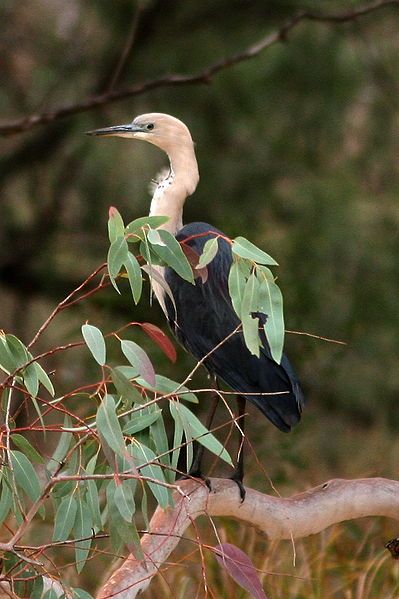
198,430
125,389
116,226
25,475
44,379
167,387
27,448
208,253
146,221
108,425
82,530
173,255
139,359
124,500
244,248
31,380
117,255
249,306
133,271
141,420
65,518
94,340
270,302
143,454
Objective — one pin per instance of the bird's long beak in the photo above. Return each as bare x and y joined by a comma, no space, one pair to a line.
118,130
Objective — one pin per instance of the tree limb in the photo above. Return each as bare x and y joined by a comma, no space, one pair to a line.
204,76
298,516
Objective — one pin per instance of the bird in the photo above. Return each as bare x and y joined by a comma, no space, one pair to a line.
202,315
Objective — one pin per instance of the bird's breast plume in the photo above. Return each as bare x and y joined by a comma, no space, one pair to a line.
159,178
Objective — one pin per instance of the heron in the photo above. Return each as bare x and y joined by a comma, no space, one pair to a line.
202,318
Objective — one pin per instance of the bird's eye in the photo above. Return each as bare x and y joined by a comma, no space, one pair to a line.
150,126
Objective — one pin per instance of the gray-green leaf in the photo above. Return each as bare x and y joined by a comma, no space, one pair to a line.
95,342
134,275
65,518
244,248
25,475
124,500
208,253
108,425
138,358
82,529
199,431
143,454
173,255
117,255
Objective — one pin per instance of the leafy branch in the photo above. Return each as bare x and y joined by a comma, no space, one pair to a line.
205,76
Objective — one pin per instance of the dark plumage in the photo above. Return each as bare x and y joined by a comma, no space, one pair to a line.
205,316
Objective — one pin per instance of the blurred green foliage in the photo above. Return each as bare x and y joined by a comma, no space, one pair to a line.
297,151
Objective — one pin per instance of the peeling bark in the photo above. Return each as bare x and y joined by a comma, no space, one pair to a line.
294,517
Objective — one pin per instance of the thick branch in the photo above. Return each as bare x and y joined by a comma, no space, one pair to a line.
205,76
280,518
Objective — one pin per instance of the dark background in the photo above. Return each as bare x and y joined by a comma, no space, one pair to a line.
298,151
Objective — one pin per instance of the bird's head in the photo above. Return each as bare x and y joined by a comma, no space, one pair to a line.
162,130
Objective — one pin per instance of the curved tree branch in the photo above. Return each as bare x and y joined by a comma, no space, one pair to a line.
280,518
205,76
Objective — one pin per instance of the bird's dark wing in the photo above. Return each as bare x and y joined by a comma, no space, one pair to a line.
205,317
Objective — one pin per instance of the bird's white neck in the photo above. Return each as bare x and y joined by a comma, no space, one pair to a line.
172,191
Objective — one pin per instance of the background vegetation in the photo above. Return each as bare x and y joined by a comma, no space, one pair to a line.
298,151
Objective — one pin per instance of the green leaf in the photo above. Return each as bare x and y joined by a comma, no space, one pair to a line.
82,528
244,248
25,475
125,389
13,353
37,589
154,237
51,594
23,444
143,454
177,440
138,358
200,433
146,221
93,503
6,359
124,500
238,275
31,380
95,342
166,386
62,447
271,304
134,274
250,325
44,379
116,226
5,502
65,518
160,438
173,255
141,420
208,253
149,255
108,425
117,255
81,594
